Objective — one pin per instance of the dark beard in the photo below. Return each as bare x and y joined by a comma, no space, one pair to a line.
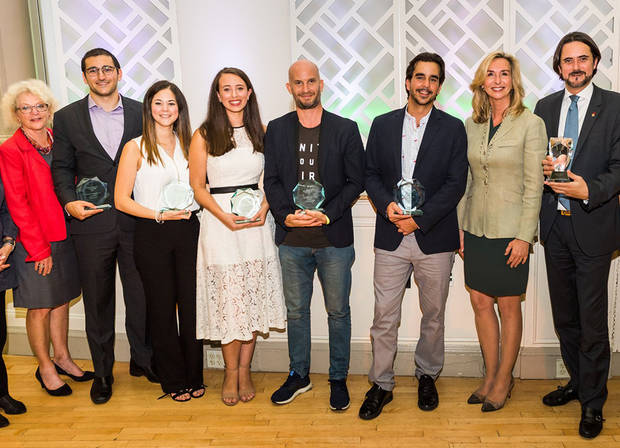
431,99
585,82
315,103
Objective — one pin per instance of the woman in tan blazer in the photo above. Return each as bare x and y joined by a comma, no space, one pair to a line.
498,216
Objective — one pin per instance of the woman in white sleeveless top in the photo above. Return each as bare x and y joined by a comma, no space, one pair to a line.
154,168
239,283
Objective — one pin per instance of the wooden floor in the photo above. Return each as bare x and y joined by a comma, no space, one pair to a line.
135,418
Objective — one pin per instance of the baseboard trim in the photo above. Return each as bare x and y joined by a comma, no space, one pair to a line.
461,360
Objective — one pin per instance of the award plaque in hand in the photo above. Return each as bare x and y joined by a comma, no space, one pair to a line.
246,202
561,151
409,195
93,190
309,195
176,195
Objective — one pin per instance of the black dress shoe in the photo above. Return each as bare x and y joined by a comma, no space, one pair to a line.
137,370
591,423
11,406
428,399
101,390
561,396
62,391
376,398
3,421
86,376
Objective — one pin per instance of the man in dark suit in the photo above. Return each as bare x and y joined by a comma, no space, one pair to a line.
580,225
313,144
426,144
89,135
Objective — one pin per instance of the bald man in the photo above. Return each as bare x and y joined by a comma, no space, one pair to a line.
311,144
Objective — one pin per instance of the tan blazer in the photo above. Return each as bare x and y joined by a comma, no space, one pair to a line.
505,180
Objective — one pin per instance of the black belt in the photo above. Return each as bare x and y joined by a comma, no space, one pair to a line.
222,190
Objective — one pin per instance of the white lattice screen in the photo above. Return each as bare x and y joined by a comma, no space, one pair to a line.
140,33
362,47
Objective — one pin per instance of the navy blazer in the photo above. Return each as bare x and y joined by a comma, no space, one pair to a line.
441,167
597,159
8,279
78,154
341,168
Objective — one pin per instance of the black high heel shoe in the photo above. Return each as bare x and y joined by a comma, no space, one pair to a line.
490,406
62,391
86,376
474,398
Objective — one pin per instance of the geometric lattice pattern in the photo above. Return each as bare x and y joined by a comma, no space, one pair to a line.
353,44
539,24
140,33
362,47
463,33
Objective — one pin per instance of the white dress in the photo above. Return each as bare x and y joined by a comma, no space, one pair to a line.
238,282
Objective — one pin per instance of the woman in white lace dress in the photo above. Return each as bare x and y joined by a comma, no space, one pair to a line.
239,285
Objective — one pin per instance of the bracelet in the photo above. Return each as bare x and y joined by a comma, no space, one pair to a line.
327,221
8,240
159,216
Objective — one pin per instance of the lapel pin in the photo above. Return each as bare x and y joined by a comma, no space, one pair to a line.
593,114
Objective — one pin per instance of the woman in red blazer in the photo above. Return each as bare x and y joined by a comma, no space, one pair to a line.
44,258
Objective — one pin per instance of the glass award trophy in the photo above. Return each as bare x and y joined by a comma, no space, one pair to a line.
93,190
246,202
409,195
176,195
309,195
561,151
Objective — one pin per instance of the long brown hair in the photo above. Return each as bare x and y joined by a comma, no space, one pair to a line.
181,127
480,102
217,130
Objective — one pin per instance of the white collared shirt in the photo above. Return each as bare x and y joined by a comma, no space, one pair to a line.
413,133
582,106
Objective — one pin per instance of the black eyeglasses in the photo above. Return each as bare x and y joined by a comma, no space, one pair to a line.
41,107
106,70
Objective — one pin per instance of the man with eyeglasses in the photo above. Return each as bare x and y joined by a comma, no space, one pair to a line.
89,135
580,225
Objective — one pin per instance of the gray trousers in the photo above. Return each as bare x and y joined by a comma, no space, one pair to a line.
432,276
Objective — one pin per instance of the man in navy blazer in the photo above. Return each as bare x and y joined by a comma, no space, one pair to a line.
313,144
429,145
580,229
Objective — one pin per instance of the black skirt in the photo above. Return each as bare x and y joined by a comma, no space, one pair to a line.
486,270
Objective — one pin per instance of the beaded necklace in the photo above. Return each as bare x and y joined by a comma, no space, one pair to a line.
42,149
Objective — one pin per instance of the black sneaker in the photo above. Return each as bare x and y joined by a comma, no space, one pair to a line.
293,386
339,397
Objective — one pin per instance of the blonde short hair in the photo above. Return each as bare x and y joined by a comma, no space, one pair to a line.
9,101
480,102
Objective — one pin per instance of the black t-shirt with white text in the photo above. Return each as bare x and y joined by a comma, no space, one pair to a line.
307,168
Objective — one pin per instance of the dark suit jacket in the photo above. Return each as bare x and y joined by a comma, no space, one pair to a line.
78,154
8,279
441,167
341,167
597,159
